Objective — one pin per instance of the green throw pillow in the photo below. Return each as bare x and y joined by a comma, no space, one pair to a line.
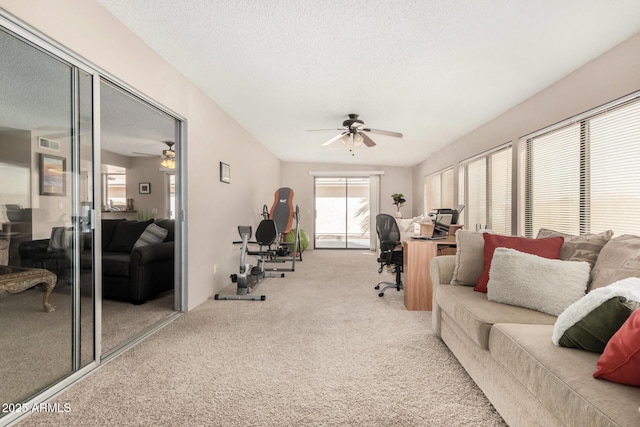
594,331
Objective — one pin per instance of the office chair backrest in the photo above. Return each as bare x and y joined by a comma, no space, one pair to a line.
267,233
388,231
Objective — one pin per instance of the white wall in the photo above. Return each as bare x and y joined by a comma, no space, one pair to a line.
610,76
214,209
296,176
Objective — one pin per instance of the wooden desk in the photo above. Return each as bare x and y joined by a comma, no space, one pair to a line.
418,289
426,228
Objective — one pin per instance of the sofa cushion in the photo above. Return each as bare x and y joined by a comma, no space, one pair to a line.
620,361
469,258
548,248
152,234
126,235
618,259
579,248
475,315
561,378
542,284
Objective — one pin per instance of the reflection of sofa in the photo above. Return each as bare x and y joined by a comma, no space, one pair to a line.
131,271
508,349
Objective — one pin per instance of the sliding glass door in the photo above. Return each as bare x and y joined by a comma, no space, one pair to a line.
46,314
64,306
342,212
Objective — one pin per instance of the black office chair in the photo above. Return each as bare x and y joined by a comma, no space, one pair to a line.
390,254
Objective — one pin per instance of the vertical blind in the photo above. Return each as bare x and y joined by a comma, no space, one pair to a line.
583,177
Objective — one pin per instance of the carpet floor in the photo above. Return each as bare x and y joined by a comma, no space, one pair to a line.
322,349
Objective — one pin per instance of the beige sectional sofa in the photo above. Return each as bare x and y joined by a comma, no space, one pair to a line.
508,352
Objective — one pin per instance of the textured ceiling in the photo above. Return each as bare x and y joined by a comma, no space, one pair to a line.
433,70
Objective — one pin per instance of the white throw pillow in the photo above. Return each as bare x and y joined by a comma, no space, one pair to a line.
541,284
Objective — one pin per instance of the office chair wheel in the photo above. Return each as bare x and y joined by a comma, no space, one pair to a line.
380,270
398,288
381,294
263,297
377,287
282,275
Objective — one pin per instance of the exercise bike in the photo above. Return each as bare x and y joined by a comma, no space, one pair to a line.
249,276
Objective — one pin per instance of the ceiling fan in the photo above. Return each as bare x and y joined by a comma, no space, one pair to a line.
168,155
354,133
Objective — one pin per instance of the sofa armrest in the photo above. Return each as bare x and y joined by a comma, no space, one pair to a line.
152,253
32,246
441,271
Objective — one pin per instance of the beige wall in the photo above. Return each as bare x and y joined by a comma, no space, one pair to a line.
296,176
610,76
214,209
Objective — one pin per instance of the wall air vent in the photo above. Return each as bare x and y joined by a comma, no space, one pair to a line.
48,144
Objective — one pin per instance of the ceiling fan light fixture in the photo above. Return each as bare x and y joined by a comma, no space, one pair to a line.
355,134
357,140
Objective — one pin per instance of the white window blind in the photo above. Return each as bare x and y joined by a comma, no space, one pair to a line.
614,168
500,188
476,202
553,182
487,191
438,190
582,177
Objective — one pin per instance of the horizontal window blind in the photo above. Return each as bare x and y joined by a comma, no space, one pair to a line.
583,177
553,160
438,190
500,200
615,170
487,194
476,201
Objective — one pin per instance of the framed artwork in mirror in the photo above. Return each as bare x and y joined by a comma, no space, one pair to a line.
144,188
52,175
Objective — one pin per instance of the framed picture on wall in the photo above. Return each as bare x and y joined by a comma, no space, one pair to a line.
144,188
52,175
225,173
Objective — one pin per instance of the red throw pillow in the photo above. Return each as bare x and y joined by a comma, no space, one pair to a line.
620,361
547,248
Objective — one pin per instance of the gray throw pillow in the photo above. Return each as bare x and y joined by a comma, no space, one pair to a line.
152,234
586,247
469,258
619,259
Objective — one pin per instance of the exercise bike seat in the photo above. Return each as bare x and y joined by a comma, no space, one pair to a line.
266,235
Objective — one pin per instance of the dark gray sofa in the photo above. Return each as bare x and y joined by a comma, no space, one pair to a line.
128,273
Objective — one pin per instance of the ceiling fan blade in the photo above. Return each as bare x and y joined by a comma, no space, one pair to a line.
146,154
383,132
367,141
334,139
319,130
